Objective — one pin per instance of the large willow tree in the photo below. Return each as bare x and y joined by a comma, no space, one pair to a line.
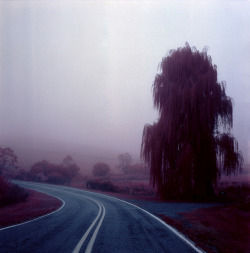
191,145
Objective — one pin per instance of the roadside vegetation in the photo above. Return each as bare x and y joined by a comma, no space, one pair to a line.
44,171
35,205
125,178
9,192
224,228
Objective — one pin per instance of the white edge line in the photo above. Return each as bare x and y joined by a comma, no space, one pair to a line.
84,237
175,231
92,240
95,233
82,240
40,217
172,229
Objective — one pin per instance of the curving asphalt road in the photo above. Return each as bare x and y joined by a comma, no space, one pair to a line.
92,222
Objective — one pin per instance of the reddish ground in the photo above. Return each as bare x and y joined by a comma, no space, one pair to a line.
37,204
217,229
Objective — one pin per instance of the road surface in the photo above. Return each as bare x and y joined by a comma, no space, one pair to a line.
92,222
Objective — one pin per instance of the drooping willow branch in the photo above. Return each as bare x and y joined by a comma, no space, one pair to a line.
191,144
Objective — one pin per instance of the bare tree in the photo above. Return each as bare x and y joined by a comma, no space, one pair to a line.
8,159
69,163
125,161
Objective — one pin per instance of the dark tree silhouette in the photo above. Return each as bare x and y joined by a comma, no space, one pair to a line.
191,144
100,169
8,159
42,168
69,164
43,171
125,161
68,161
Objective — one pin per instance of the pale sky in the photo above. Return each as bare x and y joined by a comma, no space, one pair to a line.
80,72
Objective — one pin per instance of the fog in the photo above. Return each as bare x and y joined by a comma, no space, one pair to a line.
76,76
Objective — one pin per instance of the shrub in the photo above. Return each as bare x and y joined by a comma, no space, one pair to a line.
100,169
93,184
106,186
11,193
125,161
57,178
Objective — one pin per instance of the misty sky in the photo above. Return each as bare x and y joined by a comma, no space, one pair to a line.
80,72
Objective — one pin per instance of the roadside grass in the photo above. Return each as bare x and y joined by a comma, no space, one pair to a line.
36,204
216,229
11,193
127,187
223,229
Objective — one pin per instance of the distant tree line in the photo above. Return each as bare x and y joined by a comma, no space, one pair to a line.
128,168
96,184
100,169
43,171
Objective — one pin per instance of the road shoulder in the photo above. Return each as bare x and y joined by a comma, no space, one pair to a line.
36,205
